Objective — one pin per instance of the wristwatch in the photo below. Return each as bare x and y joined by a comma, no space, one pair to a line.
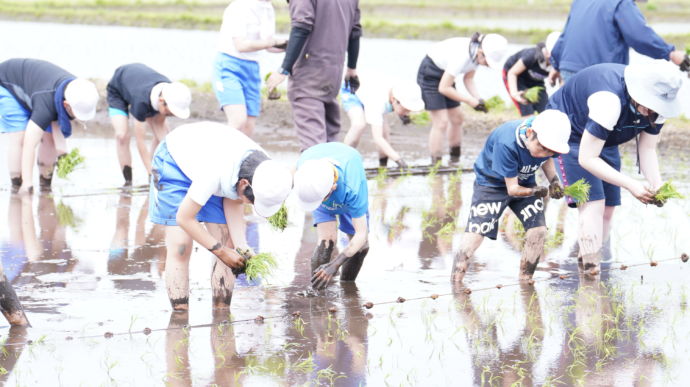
283,71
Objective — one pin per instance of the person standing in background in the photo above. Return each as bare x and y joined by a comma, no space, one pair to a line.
604,31
315,55
248,28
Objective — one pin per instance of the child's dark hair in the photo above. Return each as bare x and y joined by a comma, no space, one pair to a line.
247,169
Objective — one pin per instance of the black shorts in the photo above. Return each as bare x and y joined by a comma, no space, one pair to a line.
488,203
428,78
115,100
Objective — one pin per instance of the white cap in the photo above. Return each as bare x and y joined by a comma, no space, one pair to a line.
82,97
655,86
178,98
271,183
604,108
494,47
313,182
551,40
409,94
553,130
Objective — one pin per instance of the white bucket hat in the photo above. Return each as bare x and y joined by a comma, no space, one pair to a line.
82,97
553,130
313,182
551,40
655,86
178,98
271,184
494,47
409,94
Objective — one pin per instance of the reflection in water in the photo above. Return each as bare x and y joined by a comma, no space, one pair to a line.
10,351
439,223
148,253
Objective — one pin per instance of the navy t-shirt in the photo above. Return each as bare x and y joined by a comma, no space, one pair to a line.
504,156
534,61
33,83
130,90
571,99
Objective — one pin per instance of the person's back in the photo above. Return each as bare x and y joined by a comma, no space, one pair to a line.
603,31
318,70
133,83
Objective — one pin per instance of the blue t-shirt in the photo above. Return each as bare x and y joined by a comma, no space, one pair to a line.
571,99
505,155
351,195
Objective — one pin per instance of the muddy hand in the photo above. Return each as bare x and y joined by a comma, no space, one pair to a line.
280,44
352,83
230,257
402,164
322,275
481,106
556,190
685,65
540,191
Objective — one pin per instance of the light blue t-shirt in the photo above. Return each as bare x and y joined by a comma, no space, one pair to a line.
351,195
505,155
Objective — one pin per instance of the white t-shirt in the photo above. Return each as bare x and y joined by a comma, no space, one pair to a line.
375,98
249,19
453,56
210,154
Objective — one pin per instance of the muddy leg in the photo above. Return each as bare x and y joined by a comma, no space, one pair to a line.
351,267
591,222
222,279
179,249
9,304
532,251
470,243
455,120
326,232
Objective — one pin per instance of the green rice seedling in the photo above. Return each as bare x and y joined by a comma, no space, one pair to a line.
495,103
687,50
532,94
66,216
667,191
381,176
67,163
433,171
260,266
447,231
579,191
421,118
279,220
305,366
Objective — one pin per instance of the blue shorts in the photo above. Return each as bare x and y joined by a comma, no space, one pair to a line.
321,215
13,116
237,82
570,171
349,99
169,187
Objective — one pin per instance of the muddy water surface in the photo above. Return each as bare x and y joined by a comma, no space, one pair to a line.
86,264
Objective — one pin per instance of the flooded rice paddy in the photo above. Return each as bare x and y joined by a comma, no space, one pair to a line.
88,268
